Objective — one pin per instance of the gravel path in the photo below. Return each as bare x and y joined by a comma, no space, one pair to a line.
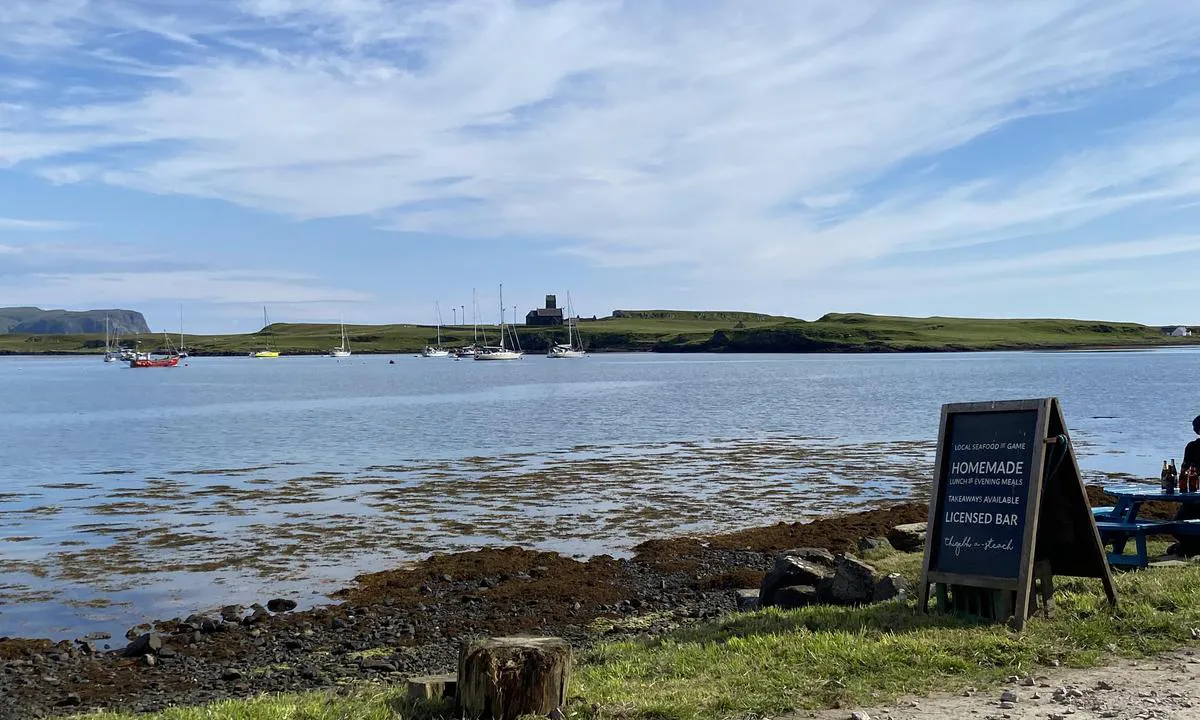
1162,688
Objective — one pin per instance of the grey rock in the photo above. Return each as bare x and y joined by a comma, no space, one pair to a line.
209,625
91,637
1008,696
231,674
71,700
137,631
890,587
378,665
258,615
747,600
149,660
796,596
853,582
1007,705
143,645
820,556
804,567
866,545
859,715
281,605
232,613
167,652
556,714
909,537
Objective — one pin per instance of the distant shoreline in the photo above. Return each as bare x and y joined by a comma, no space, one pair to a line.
652,351
661,332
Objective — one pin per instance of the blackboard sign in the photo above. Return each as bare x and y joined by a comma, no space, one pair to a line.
996,483
981,509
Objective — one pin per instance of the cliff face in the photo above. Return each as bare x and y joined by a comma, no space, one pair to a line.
35,321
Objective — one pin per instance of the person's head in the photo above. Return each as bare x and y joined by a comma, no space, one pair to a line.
1196,425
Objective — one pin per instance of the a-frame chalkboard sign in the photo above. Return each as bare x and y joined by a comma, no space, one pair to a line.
1007,499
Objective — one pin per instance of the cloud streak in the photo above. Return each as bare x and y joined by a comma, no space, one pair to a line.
715,140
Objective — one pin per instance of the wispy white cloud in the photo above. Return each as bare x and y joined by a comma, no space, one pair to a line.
7,223
717,138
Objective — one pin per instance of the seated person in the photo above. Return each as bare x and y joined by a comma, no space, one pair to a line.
1190,545
1191,454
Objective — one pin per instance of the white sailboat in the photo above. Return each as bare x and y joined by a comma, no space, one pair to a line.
471,350
436,350
501,352
182,352
574,346
110,354
342,350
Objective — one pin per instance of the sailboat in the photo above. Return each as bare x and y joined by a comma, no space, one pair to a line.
110,355
182,354
342,350
471,350
146,360
270,351
570,349
436,350
501,352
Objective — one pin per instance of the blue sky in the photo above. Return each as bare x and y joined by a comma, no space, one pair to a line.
366,158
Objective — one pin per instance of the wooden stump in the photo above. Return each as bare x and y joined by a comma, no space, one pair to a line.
505,678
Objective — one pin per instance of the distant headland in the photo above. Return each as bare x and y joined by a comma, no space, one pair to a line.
35,321
623,331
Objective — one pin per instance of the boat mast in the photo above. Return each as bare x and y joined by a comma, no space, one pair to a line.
437,306
475,317
501,316
180,327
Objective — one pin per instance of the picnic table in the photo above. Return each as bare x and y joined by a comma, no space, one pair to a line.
1119,523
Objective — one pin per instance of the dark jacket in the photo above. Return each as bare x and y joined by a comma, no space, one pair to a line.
1191,456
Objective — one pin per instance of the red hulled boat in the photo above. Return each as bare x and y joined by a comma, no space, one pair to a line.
146,362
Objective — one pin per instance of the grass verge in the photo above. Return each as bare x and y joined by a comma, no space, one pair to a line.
771,662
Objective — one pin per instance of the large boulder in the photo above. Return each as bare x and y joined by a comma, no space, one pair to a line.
890,587
144,645
852,582
796,596
805,567
908,538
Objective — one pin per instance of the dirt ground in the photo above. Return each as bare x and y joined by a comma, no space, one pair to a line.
1166,688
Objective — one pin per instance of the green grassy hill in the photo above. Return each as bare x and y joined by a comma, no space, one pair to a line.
669,331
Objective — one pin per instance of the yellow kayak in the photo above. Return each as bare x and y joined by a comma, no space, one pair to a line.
266,354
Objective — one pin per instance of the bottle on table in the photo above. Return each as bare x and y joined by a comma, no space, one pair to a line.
1166,482
1182,477
1193,479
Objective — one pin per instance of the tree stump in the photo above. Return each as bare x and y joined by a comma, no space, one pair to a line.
505,678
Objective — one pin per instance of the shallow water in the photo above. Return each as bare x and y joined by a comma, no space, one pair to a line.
131,495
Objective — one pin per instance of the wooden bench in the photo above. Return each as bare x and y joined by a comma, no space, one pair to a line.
1118,533
1182,527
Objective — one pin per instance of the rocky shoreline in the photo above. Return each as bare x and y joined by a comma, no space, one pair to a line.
399,623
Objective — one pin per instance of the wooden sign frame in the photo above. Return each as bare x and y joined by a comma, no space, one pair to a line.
1055,496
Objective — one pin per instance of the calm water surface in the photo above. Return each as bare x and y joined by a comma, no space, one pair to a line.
131,495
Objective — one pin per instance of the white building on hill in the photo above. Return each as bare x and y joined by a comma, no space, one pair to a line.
1181,332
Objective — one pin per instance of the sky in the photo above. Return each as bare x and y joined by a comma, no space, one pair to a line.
374,159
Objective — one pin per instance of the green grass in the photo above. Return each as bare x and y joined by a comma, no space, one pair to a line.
772,662
362,703
672,331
